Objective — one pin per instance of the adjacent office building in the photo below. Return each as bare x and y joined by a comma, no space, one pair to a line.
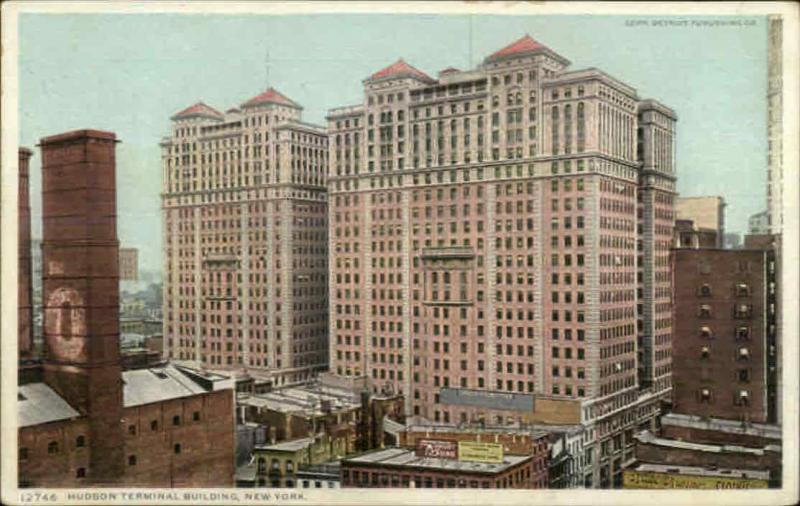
775,124
707,214
499,244
725,350
245,239
128,264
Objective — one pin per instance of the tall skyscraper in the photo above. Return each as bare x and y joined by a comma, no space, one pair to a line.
483,237
775,123
245,238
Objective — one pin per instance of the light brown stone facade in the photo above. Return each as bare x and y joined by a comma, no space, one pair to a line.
245,239
483,237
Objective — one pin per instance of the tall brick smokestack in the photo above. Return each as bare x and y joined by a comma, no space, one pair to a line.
25,308
81,289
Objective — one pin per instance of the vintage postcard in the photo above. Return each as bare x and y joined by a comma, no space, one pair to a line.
399,253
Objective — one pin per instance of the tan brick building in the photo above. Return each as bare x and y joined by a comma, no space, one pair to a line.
245,238
483,237
128,264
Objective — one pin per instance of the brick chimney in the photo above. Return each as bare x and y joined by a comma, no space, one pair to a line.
81,289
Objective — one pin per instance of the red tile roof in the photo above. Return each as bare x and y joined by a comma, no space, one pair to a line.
400,69
524,45
198,109
272,96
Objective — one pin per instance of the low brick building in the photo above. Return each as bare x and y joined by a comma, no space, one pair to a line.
177,427
403,468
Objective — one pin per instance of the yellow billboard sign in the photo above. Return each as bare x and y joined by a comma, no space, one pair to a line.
648,479
480,452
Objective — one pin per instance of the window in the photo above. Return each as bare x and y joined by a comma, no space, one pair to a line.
80,472
52,448
743,354
704,291
705,351
743,311
742,398
80,442
706,332
154,425
742,290
704,311
705,395
176,420
742,333
132,430
743,375
23,454
176,448
132,460
196,416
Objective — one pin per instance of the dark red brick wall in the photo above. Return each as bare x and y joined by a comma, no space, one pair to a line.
720,270
25,318
44,469
81,288
207,445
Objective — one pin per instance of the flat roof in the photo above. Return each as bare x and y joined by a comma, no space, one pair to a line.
402,457
703,471
509,431
287,446
721,425
650,438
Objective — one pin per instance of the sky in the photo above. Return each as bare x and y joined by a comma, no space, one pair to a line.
128,73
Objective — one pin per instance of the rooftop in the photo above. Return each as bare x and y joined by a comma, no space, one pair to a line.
287,446
271,96
523,47
510,431
400,69
303,399
198,110
156,384
648,437
722,425
38,403
703,471
401,457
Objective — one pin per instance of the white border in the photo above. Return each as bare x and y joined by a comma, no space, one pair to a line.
10,98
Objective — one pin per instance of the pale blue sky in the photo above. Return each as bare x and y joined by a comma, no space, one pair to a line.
129,73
